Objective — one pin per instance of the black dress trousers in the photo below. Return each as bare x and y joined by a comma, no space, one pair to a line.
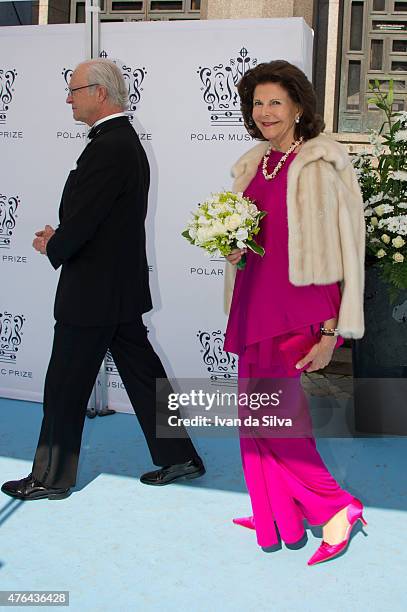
76,357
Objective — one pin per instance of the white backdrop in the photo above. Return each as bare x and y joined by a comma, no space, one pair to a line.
181,79
34,165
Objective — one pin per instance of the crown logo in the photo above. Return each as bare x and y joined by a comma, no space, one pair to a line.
8,208
110,365
221,365
7,78
10,336
133,78
219,88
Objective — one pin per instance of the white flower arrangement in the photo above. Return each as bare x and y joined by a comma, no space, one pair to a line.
224,222
395,225
400,136
382,175
382,209
402,117
398,242
398,175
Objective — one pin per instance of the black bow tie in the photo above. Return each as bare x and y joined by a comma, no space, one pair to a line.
93,132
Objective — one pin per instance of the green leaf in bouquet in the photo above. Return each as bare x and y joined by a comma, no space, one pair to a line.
256,248
241,264
187,236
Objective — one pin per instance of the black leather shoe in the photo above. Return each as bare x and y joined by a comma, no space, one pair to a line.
170,473
29,488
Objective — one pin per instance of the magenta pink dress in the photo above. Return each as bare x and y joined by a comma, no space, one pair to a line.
286,477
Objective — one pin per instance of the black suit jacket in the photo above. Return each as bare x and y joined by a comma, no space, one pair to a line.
100,241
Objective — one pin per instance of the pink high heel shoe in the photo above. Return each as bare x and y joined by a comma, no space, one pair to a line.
245,521
327,551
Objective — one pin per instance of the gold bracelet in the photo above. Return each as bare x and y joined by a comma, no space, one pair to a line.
327,331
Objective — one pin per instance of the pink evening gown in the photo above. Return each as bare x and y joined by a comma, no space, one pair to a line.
285,476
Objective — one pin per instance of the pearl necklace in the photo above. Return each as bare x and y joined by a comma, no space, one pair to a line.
282,161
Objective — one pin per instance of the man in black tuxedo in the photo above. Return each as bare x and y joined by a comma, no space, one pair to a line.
102,292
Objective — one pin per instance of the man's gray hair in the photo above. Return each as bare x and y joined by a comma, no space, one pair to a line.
105,72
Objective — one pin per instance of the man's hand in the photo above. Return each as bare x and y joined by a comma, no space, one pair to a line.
41,241
47,232
320,354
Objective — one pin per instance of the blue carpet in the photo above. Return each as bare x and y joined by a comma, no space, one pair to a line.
116,544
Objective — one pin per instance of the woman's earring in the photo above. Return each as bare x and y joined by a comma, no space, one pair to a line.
297,119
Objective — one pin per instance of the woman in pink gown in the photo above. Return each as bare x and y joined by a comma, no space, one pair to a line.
286,478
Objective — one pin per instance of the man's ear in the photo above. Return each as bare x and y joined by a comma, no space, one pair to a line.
102,93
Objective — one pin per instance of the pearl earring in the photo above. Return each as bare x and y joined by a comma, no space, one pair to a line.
297,119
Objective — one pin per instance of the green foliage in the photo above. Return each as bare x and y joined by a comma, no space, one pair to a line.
382,176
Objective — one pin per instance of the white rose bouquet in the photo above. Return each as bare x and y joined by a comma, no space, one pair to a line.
382,176
224,222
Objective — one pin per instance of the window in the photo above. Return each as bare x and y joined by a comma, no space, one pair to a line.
374,47
140,10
